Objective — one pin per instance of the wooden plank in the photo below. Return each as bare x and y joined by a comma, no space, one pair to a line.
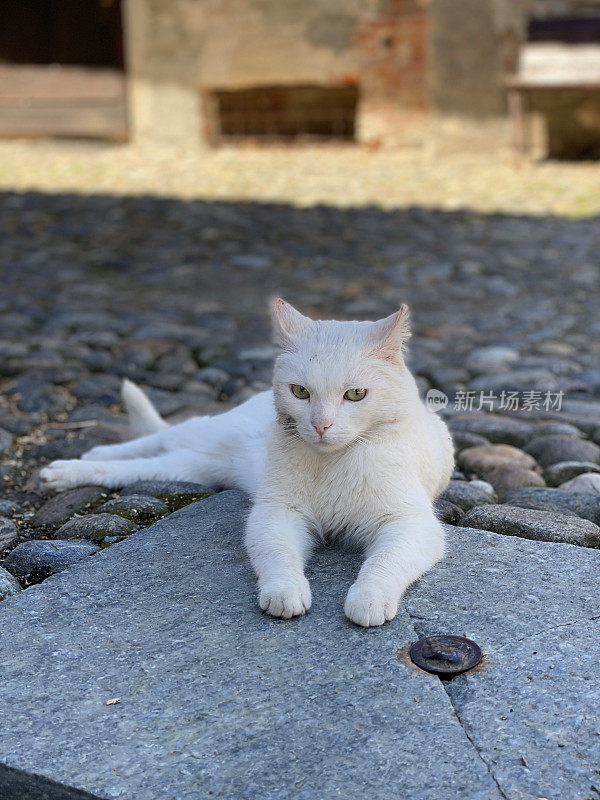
554,65
62,101
57,81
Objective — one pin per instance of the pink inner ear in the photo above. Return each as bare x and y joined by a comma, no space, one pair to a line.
394,332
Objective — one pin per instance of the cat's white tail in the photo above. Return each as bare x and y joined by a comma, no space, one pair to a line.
143,417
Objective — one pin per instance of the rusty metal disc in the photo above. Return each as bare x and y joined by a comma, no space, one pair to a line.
445,654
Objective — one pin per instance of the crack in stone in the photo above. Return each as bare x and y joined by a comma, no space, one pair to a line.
416,618
459,720
549,630
473,745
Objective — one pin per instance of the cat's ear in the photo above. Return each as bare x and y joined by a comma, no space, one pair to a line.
288,324
391,335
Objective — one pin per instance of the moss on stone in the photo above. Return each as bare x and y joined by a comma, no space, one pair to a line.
177,501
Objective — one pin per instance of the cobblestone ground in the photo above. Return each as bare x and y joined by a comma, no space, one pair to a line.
172,293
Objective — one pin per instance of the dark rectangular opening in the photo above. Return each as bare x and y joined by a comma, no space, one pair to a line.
83,32
569,30
284,112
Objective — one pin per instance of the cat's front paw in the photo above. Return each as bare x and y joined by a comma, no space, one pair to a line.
368,605
285,597
61,475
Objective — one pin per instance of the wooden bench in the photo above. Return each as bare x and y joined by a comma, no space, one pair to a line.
548,67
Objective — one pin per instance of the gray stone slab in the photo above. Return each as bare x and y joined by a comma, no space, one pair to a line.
217,699
497,589
531,708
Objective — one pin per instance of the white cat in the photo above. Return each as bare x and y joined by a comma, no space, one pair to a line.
342,447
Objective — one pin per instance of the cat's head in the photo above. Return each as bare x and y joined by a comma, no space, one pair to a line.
337,382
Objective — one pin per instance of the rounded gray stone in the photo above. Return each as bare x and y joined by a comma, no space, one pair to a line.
584,505
492,358
549,428
541,505
33,562
7,526
544,526
9,585
140,507
95,527
467,494
588,483
482,459
214,376
161,488
496,429
5,441
519,379
8,534
553,449
564,471
8,507
61,507
448,512
506,479
464,439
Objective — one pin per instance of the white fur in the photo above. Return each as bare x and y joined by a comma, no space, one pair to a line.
323,467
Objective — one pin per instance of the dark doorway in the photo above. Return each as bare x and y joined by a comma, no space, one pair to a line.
84,32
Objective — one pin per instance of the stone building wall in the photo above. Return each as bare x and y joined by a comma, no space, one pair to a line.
414,61
181,50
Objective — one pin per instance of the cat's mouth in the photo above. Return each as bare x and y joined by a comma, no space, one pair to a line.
326,445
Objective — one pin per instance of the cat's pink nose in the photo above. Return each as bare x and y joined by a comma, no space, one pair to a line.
320,429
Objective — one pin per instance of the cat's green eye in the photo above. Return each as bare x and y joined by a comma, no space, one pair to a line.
355,395
299,391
